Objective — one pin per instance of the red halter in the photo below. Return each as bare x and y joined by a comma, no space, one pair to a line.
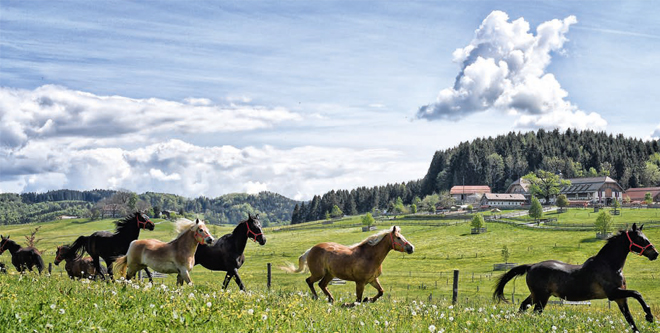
202,234
2,246
251,232
143,223
403,246
643,248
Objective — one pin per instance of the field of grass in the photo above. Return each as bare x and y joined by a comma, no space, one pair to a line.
423,277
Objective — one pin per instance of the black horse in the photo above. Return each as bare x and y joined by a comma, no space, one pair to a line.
76,266
226,254
109,245
22,257
599,277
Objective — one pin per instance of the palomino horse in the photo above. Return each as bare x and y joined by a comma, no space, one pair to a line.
22,257
226,254
177,256
601,276
360,262
109,245
76,266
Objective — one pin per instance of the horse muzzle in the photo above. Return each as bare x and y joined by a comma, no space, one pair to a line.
208,240
653,255
261,240
409,249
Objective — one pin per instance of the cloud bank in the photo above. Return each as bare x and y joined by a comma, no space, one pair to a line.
504,69
53,137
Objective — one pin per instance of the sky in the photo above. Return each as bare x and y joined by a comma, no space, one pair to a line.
299,98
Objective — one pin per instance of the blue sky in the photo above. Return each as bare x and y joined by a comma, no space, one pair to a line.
207,98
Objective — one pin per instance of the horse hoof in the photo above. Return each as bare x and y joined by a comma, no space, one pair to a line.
649,318
365,300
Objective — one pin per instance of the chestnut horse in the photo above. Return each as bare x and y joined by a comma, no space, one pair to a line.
177,256
601,276
22,257
76,266
360,262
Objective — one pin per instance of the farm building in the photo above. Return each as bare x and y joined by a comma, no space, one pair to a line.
594,190
637,195
468,193
503,199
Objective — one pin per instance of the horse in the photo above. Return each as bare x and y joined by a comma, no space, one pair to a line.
226,253
601,276
361,262
22,257
3,269
109,245
177,256
76,266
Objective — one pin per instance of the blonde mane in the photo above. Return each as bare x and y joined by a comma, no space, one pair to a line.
373,239
182,225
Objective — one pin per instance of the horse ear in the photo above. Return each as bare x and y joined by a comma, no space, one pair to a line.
634,227
641,227
197,221
256,216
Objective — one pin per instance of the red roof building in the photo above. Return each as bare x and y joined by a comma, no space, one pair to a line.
638,194
462,192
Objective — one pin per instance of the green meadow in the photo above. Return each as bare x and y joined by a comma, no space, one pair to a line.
418,287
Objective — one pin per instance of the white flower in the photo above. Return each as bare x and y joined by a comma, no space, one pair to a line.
49,326
152,305
451,307
208,304
554,328
413,312
451,318
52,306
96,306
62,311
432,328
361,323
175,315
264,317
386,323
191,295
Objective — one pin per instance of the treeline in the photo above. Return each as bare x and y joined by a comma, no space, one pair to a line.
227,209
499,161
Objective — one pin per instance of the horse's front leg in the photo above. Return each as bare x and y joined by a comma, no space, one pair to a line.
375,284
225,283
624,293
184,276
623,306
238,280
97,266
359,290
146,270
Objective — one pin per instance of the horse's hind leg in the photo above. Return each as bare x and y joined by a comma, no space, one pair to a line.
540,301
375,284
146,270
323,284
225,283
526,304
310,282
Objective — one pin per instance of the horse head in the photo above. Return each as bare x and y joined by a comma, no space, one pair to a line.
144,222
201,233
59,255
3,243
254,231
399,243
639,244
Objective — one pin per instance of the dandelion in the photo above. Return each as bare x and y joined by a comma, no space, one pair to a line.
376,322
450,307
361,323
413,312
264,317
191,295
62,311
49,326
52,306
152,305
432,328
451,318
96,306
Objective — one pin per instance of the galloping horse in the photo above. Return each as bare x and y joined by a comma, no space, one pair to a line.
360,262
177,256
76,266
109,245
22,257
601,276
226,254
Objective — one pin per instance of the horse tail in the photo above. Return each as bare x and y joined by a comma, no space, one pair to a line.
79,246
119,266
498,294
40,263
302,262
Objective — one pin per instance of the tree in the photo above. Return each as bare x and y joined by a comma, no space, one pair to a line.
545,184
648,198
368,220
478,221
616,205
603,223
413,208
495,169
626,199
336,212
327,215
536,210
505,254
562,202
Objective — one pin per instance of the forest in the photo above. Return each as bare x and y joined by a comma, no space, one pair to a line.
498,162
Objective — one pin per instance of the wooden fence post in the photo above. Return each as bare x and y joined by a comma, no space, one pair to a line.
269,275
454,296
50,267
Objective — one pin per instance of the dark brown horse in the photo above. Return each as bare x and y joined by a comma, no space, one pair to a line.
22,257
76,266
226,253
107,245
599,277
360,262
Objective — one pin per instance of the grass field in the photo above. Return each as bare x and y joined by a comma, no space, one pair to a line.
423,277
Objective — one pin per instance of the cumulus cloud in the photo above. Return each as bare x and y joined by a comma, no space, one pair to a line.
504,68
175,166
54,112
655,135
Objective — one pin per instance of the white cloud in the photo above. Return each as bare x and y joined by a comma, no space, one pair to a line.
54,112
656,134
504,68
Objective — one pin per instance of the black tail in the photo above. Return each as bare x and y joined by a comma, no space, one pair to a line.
40,263
79,246
498,294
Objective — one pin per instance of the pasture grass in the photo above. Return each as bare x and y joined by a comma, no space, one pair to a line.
424,277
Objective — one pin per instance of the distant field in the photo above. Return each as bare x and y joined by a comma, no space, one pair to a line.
421,276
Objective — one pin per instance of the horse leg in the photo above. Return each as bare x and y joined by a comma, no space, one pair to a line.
624,293
540,301
225,283
359,291
310,282
146,270
183,277
525,304
323,284
375,284
623,306
239,282
97,266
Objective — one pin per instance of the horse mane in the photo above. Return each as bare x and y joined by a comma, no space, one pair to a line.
182,225
121,224
373,239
